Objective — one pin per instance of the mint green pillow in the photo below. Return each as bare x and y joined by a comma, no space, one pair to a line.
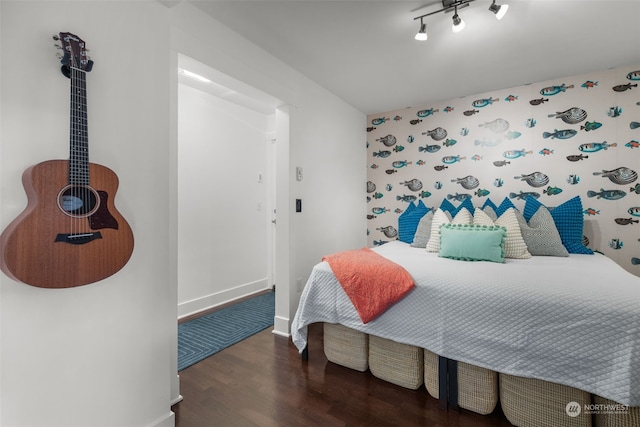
472,242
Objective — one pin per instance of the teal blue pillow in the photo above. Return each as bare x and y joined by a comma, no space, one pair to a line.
569,221
447,206
408,221
472,242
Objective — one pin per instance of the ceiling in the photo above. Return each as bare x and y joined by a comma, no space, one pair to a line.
364,51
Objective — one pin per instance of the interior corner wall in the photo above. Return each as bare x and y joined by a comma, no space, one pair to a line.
554,140
326,139
222,202
94,355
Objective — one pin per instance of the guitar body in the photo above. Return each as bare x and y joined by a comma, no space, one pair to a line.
68,235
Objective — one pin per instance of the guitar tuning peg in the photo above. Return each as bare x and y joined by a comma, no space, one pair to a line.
59,55
57,46
56,37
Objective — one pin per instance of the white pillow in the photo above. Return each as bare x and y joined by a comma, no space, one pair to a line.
442,217
514,245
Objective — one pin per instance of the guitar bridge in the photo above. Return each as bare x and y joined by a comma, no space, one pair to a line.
78,239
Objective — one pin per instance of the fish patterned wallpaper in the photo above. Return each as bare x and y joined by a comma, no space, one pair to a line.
552,140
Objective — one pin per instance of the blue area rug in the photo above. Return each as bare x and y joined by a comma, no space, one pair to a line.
207,335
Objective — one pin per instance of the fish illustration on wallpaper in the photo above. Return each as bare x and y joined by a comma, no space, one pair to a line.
634,211
576,157
479,103
440,167
436,134
378,121
589,126
398,148
379,210
486,142
626,221
622,175
538,101
524,194
534,179
500,163
573,179
634,125
614,112
546,151
449,142
514,154
616,243
571,116
415,121
410,139
530,123
448,109
406,198
452,159
389,231
388,140
552,191
426,113
413,185
371,187
634,75
498,182
429,148
458,197
635,189
632,144
560,134
424,194
607,194
383,154
400,164
589,84
469,182
464,131
470,112
480,192
593,147
511,98
397,118
371,129
554,90
497,126
590,212
513,134
625,87
390,171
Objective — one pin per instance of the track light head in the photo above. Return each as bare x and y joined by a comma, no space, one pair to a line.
499,10
422,33
458,23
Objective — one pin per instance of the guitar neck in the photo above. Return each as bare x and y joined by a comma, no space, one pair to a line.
79,139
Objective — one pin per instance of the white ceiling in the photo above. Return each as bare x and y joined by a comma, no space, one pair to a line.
364,51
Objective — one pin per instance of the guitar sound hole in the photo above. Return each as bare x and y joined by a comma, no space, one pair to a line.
78,200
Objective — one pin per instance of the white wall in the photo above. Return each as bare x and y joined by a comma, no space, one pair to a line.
319,126
96,355
222,208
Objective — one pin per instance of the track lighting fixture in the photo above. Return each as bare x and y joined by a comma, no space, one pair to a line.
458,23
422,33
499,10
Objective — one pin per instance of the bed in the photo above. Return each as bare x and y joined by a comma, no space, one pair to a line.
570,320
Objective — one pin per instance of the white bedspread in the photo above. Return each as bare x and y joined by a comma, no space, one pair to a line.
573,321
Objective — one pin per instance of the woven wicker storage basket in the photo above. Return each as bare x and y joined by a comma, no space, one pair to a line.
400,364
616,418
477,387
346,347
529,402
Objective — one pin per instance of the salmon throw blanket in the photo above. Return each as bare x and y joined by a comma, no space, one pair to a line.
371,281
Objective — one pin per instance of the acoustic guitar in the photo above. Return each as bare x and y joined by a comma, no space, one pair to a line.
70,234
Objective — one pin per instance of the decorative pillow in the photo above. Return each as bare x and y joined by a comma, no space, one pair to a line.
472,242
504,206
441,217
447,206
514,245
568,219
408,221
490,212
423,232
541,235
489,204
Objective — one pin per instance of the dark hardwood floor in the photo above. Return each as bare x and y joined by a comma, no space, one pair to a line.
262,381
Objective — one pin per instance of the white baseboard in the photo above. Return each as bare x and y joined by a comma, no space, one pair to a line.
169,420
281,326
206,302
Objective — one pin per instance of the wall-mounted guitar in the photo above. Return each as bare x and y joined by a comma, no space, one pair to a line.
70,234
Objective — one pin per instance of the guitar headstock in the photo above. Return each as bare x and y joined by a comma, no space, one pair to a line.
74,53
